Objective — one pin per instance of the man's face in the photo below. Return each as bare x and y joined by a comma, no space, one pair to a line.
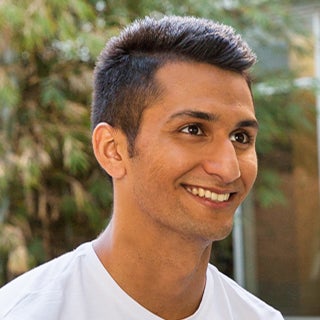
195,158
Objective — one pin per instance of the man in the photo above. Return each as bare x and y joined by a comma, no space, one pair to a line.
174,127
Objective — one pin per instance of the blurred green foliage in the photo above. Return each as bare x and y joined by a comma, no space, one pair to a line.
53,195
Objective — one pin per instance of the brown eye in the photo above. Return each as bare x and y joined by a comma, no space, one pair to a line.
192,129
240,137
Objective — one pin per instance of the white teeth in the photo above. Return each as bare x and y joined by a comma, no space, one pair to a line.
207,194
215,197
221,197
202,193
194,191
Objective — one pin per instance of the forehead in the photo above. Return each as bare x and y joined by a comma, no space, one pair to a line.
193,85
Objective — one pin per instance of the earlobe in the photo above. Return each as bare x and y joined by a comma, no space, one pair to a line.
107,150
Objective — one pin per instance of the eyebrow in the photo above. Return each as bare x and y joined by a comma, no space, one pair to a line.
248,123
212,117
194,114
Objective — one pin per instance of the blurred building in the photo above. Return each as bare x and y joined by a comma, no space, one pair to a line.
277,249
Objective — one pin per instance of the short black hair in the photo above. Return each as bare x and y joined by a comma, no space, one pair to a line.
124,82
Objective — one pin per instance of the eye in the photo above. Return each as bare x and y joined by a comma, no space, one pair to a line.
193,129
240,137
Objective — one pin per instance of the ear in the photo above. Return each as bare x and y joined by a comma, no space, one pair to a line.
107,149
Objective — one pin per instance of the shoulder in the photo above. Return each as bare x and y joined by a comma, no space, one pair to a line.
43,286
240,301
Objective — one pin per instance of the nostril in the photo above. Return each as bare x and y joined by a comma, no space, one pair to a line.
227,170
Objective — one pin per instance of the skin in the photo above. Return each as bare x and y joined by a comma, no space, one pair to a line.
200,134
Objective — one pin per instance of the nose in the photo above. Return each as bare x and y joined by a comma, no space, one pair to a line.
222,161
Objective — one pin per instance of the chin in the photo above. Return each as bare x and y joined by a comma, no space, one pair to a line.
222,233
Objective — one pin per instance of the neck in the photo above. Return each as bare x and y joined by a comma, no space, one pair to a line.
161,270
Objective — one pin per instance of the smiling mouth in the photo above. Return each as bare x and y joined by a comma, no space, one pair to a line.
207,194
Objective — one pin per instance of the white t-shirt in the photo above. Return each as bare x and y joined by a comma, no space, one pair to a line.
77,286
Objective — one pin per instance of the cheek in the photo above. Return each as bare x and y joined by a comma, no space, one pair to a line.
168,158
249,169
